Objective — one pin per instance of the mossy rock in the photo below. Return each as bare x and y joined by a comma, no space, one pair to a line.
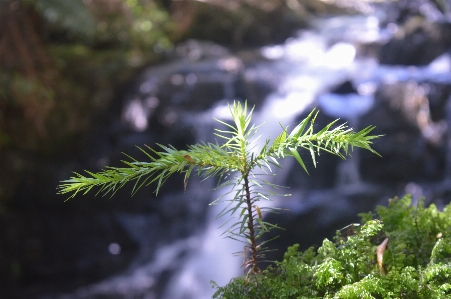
416,263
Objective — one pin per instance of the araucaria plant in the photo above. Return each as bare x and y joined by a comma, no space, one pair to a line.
237,162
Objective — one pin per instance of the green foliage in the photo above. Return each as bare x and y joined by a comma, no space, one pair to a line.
128,24
71,16
239,165
79,52
416,229
416,263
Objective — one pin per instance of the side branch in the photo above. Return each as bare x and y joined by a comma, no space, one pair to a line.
209,160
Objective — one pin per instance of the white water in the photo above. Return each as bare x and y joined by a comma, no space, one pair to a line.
306,67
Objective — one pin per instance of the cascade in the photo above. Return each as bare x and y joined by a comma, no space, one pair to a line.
285,82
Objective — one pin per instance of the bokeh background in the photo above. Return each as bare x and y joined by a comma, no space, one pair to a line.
82,81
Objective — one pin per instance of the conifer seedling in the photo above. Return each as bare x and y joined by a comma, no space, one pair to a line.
240,167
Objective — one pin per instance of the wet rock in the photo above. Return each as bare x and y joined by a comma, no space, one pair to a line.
345,88
241,23
416,42
411,117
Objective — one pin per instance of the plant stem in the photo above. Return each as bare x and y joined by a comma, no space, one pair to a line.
250,225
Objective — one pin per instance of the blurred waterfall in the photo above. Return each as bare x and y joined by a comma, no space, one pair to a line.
284,82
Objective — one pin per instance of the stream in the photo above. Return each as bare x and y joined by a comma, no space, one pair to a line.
331,66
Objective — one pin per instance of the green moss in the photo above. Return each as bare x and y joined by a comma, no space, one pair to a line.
416,262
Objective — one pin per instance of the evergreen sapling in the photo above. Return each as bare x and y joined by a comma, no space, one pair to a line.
239,166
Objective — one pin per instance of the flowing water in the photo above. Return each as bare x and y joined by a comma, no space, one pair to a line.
301,73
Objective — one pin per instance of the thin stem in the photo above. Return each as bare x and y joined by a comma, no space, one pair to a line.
250,225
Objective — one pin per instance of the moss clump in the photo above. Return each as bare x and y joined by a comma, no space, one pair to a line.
416,263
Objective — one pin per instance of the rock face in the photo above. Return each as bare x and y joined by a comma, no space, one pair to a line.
416,42
247,23
144,240
413,117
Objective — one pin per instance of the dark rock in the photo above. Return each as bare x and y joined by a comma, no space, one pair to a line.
417,42
241,23
345,88
433,10
255,84
411,117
